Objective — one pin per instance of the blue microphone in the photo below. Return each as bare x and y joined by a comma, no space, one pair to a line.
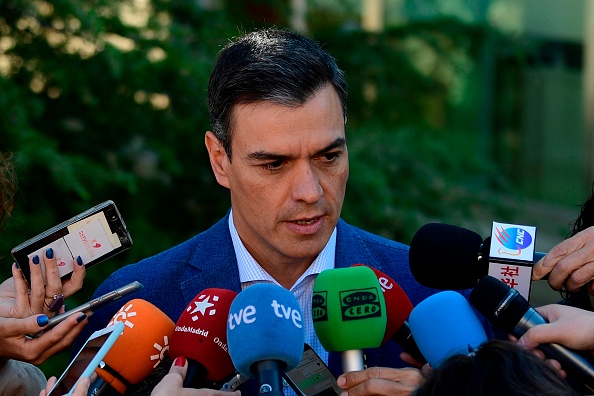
265,335
444,325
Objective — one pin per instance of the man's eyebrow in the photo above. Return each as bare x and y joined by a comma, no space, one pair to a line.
267,156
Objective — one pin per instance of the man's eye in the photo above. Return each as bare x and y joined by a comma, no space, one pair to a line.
331,156
273,165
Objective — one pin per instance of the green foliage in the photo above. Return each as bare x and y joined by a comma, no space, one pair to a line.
105,99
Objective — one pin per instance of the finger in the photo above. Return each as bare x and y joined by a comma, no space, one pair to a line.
569,255
21,298
50,383
82,387
385,381
53,282
37,285
408,358
179,369
12,327
173,380
555,365
426,369
581,275
57,339
355,378
540,270
75,282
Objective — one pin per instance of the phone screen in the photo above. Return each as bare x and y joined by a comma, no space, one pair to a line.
80,362
95,235
312,377
88,238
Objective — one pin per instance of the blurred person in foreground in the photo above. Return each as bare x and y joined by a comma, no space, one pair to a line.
278,110
26,311
496,368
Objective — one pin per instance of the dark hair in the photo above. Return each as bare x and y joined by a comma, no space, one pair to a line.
7,185
497,368
586,217
581,297
275,65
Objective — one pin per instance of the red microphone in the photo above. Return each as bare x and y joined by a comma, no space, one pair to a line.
141,347
398,309
200,335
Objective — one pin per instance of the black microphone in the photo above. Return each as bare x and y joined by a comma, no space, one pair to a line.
444,256
506,308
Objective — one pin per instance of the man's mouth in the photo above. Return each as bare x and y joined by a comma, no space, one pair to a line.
306,222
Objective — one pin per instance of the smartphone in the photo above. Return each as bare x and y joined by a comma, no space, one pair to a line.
312,377
87,359
92,305
95,235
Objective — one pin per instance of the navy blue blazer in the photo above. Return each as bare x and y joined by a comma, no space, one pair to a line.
172,278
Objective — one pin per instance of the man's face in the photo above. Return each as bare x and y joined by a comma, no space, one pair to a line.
287,177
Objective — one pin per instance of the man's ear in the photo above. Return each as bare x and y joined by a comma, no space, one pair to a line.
218,158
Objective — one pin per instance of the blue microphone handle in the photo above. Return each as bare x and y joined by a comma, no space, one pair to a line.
269,374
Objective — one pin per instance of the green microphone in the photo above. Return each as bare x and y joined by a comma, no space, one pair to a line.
349,313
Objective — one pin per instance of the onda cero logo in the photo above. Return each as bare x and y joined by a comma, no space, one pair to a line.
360,304
514,239
319,308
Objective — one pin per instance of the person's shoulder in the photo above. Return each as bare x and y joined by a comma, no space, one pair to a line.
20,378
175,257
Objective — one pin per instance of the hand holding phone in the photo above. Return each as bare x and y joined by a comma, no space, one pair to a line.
95,235
93,305
90,356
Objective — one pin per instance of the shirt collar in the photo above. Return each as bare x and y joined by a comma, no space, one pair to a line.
251,271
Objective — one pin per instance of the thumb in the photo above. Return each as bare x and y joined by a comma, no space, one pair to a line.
28,325
539,271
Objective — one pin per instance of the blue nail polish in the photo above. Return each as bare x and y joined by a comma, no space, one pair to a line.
42,320
79,260
36,259
49,253
17,265
81,318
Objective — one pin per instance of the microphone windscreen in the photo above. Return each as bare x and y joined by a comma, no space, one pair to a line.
443,325
398,305
140,348
487,296
265,323
348,309
201,333
444,256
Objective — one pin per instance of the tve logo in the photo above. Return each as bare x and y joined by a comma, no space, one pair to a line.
512,242
248,315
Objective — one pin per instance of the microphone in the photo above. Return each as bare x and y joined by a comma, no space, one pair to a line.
506,308
200,335
265,335
398,309
141,347
443,256
349,313
443,325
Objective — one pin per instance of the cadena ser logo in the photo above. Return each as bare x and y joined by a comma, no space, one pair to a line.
514,239
319,306
360,304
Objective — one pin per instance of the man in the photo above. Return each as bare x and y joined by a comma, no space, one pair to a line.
277,104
